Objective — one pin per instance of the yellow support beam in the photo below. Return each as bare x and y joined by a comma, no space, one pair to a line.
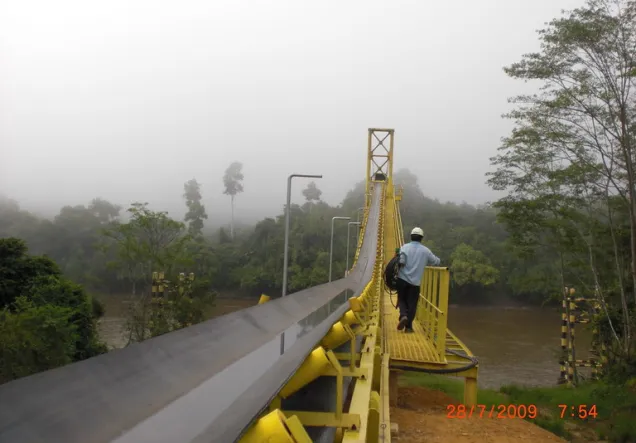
275,427
313,367
264,298
366,400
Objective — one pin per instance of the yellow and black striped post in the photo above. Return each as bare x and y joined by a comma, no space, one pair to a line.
153,288
570,316
158,284
573,376
563,377
181,283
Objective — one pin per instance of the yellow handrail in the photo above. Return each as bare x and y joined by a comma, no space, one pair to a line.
432,310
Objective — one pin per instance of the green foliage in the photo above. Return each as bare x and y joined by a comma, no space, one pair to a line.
58,291
614,404
35,338
19,270
196,211
182,304
568,166
451,386
46,320
150,240
472,266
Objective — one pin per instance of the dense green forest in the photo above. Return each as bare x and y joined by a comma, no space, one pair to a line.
568,218
94,247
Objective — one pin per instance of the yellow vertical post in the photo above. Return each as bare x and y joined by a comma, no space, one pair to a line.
443,315
391,153
470,391
563,377
572,336
160,286
368,175
181,283
153,288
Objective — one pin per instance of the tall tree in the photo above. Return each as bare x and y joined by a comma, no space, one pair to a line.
233,186
311,192
104,210
569,164
196,211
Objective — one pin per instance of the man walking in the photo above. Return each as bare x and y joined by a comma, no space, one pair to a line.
414,257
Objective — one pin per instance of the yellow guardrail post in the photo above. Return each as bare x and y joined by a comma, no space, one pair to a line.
442,317
432,311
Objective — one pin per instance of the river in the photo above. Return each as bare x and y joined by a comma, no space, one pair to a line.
514,345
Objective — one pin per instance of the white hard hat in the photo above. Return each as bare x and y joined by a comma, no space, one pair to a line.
417,231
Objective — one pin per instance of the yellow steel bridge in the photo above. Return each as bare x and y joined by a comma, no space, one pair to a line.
333,378
385,350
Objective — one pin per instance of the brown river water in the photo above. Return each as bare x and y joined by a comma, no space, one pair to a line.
513,345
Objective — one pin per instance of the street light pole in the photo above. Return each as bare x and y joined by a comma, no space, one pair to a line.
349,241
287,217
333,219
286,252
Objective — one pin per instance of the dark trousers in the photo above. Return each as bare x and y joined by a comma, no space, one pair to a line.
408,296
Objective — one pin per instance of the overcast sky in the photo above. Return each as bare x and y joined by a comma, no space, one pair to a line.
128,99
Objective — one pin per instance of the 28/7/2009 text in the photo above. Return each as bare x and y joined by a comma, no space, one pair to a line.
492,411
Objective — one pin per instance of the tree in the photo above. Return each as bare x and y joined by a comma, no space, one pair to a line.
150,241
568,165
233,186
311,192
196,211
472,266
104,210
45,320
19,270
223,237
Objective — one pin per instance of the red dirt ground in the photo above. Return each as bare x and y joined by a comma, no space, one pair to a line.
421,417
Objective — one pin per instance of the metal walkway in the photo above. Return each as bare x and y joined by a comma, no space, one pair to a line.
317,365
415,348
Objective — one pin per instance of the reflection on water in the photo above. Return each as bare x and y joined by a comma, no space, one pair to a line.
516,345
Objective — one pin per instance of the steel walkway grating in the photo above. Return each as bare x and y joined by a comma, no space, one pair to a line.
414,347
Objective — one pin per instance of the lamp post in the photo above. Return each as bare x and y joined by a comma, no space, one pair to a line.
286,252
333,219
287,217
349,241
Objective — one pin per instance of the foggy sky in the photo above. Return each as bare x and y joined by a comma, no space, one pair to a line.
127,100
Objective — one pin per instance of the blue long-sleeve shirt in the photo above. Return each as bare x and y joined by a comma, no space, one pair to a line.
415,257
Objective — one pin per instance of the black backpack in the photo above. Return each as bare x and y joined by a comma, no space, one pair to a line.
391,273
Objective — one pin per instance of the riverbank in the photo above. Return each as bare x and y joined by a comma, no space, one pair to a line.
112,325
613,405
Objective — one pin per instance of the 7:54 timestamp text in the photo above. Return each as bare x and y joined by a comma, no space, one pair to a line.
578,411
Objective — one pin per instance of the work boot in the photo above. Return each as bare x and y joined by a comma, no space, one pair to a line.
402,323
409,330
